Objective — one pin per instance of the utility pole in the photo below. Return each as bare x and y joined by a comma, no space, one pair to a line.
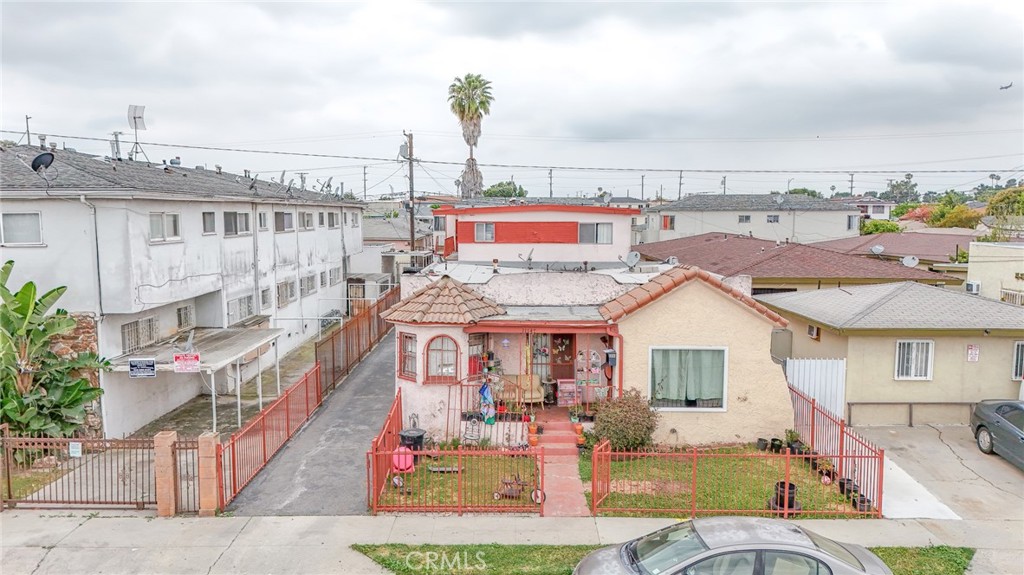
723,184
412,202
642,176
551,189
364,183
680,196
28,134
851,185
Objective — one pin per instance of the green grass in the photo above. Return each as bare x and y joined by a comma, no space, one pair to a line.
25,482
726,482
560,559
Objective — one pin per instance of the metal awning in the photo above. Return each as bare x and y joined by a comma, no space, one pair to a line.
217,347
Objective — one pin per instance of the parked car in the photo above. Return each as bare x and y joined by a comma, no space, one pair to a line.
732,546
998,427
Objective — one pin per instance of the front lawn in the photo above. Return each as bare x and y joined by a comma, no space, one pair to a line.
560,559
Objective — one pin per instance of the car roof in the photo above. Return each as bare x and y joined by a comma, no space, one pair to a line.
720,532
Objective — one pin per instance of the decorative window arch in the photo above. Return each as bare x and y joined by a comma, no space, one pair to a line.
442,360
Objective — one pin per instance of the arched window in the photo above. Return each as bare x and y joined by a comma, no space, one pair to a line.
442,360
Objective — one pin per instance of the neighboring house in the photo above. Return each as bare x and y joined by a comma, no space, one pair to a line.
638,222
911,350
697,348
782,267
870,208
996,271
1006,227
154,254
776,217
395,231
934,251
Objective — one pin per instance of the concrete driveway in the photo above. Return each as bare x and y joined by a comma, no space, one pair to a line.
322,470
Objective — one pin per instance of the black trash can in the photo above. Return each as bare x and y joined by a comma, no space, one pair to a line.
413,439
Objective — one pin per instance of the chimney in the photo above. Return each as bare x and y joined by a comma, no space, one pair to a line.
218,168
42,142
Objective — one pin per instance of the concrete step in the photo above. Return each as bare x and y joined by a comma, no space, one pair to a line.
560,450
551,439
558,425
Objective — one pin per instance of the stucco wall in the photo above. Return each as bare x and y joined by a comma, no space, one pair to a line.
757,397
128,404
996,266
829,345
804,227
552,288
576,253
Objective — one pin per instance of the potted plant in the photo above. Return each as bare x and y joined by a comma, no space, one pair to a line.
532,427
826,470
578,428
762,444
531,415
793,439
848,488
776,445
574,414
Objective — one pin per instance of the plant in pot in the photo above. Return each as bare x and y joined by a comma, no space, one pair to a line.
578,428
762,444
848,488
826,470
776,445
793,440
574,414
532,427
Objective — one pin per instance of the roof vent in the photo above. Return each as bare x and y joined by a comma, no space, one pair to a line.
176,161
218,168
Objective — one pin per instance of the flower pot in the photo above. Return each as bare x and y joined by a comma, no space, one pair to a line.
580,440
533,439
785,494
532,427
848,487
813,459
862,503
578,428
776,445
762,444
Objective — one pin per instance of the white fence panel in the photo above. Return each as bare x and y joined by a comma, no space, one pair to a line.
820,379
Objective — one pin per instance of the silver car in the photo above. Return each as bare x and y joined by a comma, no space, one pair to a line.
732,546
998,426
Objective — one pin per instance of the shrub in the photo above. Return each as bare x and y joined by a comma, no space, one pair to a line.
628,422
868,227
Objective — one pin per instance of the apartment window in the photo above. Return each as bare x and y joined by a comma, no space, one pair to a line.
262,219
595,233
209,223
442,360
306,220
773,218
877,209
668,222
265,301
285,293
407,356
484,232
284,222
239,309
307,285
236,223
914,359
137,334
745,219
345,216
323,279
163,227
1018,360
320,220
688,378
21,228
186,317
355,219
335,276
852,222
332,219
439,223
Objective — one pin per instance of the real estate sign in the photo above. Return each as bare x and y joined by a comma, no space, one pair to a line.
186,363
142,367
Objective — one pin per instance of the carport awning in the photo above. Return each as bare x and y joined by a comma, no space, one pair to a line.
217,348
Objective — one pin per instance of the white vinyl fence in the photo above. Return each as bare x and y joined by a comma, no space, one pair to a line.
821,379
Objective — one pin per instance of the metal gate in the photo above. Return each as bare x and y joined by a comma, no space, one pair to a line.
186,488
821,379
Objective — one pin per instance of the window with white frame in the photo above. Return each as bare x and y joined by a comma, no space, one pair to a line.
265,301
439,223
877,209
21,228
186,317
323,279
914,359
335,276
284,221
137,334
164,227
240,308
332,220
595,234
356,217
306,220
773,218
209,223
262,218
688,378
236,223
285,293
320,219
745,219
307,285
852,222
1018,360
483,232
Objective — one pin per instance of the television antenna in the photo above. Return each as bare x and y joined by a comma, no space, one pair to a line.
910,261
137,121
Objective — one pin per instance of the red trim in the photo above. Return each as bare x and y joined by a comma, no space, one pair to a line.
445,210
401,357
440,379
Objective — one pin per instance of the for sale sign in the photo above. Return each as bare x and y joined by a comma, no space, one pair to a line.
186,363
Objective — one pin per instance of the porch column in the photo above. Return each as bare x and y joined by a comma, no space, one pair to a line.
238,391
277,365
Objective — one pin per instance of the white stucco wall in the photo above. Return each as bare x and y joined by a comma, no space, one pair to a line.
798,226
430,402
129,404
997,266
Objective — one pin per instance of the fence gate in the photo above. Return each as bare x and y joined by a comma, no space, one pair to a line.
820,379
186,496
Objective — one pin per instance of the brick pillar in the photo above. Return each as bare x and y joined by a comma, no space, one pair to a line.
166,473
209,474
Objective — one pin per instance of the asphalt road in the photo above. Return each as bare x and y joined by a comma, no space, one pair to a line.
322,470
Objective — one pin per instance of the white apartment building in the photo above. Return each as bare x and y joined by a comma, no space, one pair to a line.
155,252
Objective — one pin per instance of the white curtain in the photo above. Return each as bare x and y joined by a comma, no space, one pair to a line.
441,357
687,375
604,233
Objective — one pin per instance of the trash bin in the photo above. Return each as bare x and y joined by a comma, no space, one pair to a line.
413,439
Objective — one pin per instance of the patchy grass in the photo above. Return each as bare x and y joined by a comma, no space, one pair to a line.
728,480
560,559
25,482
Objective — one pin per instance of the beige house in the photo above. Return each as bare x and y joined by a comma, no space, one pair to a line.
996,271
914,353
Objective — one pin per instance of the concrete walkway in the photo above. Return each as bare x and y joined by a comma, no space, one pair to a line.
322,470
40,543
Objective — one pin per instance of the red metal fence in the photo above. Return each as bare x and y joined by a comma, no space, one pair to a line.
250,448
186,488
340,351
836,474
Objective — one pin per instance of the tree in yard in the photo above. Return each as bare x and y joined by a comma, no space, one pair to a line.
43,392
958,217
922,213
901,191
868,227
805,192
1009,202
900,210
470,100
505,190
953,198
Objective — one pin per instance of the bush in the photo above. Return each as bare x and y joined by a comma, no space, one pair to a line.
868,227
628,422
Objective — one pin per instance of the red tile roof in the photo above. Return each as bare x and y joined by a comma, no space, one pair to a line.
662,284
731,255
445,301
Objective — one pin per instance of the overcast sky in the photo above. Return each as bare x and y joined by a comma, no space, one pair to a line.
674,86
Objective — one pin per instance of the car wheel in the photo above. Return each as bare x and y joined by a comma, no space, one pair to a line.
984,438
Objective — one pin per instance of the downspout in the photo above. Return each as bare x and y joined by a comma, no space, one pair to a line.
254,226
96,246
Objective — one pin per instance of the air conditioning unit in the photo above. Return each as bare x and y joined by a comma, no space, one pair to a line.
813,332
974,288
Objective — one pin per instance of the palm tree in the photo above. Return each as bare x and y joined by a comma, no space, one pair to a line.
470,100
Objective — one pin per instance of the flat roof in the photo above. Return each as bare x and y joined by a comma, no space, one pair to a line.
217,347
477,273
547,313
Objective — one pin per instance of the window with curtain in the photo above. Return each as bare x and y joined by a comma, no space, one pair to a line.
442,360
688,378
407,356
914,359
1018,360
595,233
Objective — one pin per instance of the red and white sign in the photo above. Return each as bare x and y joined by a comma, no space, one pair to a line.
973,352
186,363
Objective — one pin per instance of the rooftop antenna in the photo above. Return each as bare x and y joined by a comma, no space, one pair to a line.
252,184
137,121
40,164
528,259
281,179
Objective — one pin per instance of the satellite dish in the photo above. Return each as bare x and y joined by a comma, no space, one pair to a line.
910,261
136,119
877,249
41,162
632,258
779,199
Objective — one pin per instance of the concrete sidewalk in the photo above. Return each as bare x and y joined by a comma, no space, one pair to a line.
40,542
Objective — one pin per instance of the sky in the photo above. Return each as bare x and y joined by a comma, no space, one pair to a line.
619,97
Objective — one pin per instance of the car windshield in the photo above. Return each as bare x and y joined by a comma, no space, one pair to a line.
665,549
834,549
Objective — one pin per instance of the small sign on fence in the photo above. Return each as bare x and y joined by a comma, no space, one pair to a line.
186,363
75,449
142,367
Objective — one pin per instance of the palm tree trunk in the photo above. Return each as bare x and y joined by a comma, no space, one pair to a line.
471,152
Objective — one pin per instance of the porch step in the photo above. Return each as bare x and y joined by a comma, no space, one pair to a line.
560,425
560,450
557,438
